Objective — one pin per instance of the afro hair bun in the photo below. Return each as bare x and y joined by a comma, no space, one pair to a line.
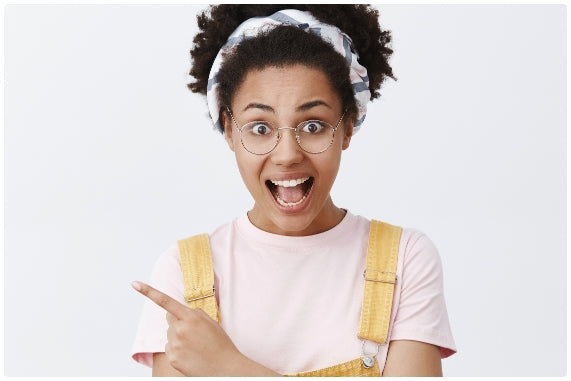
360,22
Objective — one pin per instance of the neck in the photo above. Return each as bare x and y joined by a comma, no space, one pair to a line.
298,225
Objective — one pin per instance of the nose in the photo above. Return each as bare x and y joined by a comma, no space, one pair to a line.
287,152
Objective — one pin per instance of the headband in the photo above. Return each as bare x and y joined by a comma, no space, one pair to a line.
341,42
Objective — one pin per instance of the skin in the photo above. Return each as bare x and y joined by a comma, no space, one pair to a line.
285,96
197,346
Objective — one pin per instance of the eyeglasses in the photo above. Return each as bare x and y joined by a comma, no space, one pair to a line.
260,137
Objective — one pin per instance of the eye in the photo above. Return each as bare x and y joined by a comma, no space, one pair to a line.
258,128
312,127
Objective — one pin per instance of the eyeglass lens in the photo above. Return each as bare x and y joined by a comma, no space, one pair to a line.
313,136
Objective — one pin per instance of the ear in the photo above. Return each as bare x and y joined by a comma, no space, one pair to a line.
348,133
227,124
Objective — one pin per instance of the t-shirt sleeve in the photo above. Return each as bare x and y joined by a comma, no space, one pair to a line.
151,334
421,314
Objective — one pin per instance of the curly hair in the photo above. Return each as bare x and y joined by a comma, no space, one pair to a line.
360,22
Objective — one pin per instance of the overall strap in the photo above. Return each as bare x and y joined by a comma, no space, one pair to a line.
198,274
380,278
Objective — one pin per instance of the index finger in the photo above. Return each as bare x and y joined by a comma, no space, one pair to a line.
161,299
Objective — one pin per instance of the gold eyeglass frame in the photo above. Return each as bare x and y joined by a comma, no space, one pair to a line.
297,137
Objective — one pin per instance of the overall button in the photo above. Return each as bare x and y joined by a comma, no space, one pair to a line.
368,361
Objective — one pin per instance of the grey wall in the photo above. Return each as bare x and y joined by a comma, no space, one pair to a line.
109,159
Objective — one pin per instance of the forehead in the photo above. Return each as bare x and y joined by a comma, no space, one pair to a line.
285,88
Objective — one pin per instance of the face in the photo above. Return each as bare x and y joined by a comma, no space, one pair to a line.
285,97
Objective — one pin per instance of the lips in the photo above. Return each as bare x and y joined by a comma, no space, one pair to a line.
290,193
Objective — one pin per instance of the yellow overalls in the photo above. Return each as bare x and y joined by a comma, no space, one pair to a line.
380,278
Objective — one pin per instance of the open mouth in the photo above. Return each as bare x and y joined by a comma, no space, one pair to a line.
290,192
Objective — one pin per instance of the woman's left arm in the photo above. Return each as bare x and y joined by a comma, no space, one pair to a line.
412,359
420,335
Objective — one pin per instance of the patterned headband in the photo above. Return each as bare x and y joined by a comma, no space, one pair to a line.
341,43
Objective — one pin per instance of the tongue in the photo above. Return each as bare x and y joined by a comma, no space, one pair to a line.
290,194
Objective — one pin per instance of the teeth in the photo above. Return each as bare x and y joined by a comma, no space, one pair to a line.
289,183
283,203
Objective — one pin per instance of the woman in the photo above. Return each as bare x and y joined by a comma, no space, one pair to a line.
288,89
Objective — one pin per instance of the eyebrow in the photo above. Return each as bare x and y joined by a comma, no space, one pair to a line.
312,104
258,106
303,107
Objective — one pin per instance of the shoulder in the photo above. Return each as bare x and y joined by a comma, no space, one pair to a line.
166,272
167,275
417,248
226,229
419,263
419,255
220,233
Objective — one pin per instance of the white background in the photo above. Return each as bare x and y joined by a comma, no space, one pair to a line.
109,159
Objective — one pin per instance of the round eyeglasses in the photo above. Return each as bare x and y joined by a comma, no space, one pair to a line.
260,137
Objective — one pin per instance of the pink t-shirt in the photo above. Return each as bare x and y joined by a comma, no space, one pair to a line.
293,304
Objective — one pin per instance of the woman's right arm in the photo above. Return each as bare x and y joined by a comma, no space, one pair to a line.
193,335
162,367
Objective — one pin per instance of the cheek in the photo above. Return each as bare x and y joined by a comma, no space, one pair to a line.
242,164
329,164
249,168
